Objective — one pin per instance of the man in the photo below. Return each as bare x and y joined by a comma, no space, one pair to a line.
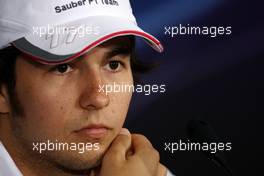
55,117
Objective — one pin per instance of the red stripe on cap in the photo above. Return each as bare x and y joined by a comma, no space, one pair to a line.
94,44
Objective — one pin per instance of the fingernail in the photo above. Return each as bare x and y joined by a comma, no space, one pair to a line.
124,131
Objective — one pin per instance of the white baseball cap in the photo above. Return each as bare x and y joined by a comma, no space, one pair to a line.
58,31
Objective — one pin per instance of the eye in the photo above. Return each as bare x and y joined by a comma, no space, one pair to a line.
62,69
114,66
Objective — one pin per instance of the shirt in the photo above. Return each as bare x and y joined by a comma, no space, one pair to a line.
7,164
9,168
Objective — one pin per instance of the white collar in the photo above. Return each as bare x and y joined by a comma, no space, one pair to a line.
7,164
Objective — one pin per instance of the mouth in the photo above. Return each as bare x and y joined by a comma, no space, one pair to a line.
93,131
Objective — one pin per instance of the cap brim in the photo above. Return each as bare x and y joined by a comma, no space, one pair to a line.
64,46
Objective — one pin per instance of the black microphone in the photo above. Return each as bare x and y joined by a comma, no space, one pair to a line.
201,132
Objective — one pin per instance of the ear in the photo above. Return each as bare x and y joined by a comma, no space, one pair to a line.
4,103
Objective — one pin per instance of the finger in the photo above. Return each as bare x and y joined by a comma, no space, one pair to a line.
162,170
119,147
140,142
144,150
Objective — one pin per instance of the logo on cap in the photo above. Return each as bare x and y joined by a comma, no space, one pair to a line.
72,4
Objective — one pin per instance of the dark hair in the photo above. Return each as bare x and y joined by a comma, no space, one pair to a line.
7,67
7,76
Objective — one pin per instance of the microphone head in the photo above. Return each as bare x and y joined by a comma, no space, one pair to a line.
200,131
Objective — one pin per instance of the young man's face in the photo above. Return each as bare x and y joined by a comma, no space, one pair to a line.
58,102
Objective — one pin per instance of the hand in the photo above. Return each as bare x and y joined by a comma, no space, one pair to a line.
131,155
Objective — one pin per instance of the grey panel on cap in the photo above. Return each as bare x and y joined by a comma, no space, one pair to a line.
27,47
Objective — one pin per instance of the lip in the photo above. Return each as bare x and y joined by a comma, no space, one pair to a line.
94,131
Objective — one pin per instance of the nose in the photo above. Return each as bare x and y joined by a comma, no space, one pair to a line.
92,98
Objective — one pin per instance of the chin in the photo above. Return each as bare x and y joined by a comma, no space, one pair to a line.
78,162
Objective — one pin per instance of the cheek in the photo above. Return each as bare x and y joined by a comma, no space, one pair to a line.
119,107
45,107
120,100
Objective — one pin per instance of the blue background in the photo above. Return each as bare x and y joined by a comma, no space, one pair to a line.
219,80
